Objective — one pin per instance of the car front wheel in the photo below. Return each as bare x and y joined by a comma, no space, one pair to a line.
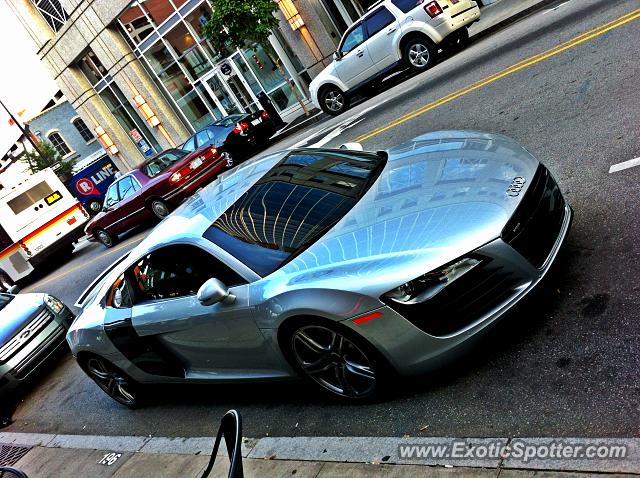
339,362
333,101
104,237
113,381
419,54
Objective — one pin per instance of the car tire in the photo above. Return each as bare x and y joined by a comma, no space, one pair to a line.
113,381
333,101
104,237
159,208
345,365
93,207
419,54
459,40
227,157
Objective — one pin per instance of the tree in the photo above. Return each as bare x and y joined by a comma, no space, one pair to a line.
49,158
242,23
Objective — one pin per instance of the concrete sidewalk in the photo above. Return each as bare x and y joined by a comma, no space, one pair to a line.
47,455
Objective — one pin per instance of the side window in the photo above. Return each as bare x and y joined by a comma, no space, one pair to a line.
353,39
203,138
406,5
378,20
177,271
126,188
111,198
190,145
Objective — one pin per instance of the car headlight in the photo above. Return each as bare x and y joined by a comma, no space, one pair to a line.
54,304
427,286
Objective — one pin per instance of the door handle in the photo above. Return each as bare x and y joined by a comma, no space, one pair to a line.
391,30
360,53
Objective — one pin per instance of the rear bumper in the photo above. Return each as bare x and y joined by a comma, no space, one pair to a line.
207,175
461,19
412,351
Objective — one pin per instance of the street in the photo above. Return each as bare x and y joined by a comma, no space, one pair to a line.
563,83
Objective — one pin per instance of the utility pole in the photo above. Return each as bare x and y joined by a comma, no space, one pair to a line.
25,131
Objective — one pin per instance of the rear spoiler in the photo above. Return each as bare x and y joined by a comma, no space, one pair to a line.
87,294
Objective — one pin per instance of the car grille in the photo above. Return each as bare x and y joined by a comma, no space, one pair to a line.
534,227
40,321
462,302
43,349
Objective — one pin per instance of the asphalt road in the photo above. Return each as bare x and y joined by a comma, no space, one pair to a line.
565,364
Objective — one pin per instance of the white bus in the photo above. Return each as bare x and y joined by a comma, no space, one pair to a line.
38,217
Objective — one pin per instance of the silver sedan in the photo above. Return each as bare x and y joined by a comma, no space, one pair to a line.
343,266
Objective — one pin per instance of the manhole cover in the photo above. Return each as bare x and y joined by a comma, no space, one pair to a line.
10,454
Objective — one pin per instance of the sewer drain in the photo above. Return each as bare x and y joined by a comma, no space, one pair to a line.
10,454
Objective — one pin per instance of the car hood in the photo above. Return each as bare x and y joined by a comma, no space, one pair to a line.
439,197
17,313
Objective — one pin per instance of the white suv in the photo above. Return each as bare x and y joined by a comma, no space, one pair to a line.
393,34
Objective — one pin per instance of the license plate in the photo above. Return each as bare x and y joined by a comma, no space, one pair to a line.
196,163
256,121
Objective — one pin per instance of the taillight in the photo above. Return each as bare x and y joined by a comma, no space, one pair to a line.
264,115
240,128
180,175
433,9
213,151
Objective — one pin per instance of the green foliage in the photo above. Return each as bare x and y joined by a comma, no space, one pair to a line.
49,159
237,23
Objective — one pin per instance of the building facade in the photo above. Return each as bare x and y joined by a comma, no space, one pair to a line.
143,78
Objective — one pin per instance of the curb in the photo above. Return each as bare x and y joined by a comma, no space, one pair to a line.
372,450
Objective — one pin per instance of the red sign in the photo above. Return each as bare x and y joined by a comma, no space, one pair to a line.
86,187
135,134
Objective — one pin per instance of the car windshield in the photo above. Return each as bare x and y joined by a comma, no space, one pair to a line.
229,121
293,205
4,300
162,161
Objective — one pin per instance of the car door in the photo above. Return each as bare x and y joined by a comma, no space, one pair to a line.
381,26
131,204
109,208
215,340
355,64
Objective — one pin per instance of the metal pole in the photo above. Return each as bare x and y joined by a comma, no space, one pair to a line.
24,131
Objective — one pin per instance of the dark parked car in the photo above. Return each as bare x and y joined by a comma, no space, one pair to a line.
154,188
239,135
32,328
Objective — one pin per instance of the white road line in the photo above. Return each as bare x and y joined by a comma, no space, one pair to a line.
624,165
555,8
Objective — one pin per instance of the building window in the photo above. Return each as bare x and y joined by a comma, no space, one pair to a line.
59,144
52,12
85,132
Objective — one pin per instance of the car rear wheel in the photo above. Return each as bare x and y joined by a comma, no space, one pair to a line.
339,362
104,237
159,208
333,101
419,54
113,381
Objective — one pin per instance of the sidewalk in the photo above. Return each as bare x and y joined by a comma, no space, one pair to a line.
60,456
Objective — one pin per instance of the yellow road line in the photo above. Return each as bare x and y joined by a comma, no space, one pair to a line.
618,22
81,266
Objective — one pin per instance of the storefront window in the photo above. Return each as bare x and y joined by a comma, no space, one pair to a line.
159,57
244,69
92,68
189,54
283,97
175,81
158,10
204,94
136,23
195,110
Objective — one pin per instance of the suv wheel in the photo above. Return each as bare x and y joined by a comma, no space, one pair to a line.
420,54
333,101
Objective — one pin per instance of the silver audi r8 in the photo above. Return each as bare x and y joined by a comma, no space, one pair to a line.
341,265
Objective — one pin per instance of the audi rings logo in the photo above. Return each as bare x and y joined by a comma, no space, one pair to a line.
516,186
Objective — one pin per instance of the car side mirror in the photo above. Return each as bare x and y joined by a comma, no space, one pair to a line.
214,291
337,56
14,289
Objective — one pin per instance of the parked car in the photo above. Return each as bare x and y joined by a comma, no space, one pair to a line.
392,35
153,189
338,265
32,328
240,135
90,181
